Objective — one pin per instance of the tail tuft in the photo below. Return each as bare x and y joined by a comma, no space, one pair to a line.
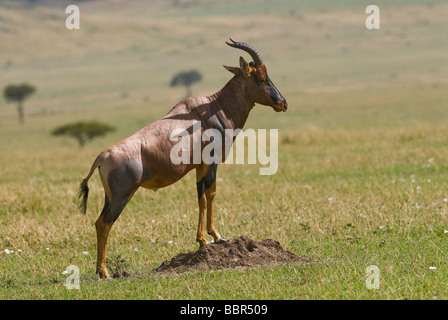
84,194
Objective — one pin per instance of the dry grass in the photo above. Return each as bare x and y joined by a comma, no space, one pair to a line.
362,154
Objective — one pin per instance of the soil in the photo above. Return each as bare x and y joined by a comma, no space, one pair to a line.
241,252
121,273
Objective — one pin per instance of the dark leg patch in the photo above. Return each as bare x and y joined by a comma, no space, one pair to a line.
207,181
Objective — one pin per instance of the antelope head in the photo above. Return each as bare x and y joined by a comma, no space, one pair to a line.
260,87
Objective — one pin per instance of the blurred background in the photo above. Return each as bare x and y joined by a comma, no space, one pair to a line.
118,67
362,173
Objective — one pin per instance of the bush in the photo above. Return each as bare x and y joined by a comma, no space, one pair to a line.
83,132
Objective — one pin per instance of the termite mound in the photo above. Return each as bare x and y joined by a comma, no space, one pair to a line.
240,252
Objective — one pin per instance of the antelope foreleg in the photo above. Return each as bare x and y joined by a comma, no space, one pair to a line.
210,195
206,186
202,202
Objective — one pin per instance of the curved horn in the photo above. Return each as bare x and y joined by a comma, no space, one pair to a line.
249,49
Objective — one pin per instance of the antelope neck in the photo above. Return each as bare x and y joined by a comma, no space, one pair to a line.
235,102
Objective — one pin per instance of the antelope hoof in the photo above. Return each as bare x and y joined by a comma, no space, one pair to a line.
104,276
201,243
221,241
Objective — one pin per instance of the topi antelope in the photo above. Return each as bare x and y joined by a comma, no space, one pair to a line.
143,159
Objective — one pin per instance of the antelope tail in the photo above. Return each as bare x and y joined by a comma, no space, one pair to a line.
83,193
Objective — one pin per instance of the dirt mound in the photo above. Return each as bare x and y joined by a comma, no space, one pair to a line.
236,253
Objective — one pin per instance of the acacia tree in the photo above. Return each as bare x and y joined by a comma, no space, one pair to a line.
187,79
19,93
83,132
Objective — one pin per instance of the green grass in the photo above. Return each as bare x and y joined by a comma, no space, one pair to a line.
362,175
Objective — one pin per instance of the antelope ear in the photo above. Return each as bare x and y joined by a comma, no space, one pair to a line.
244,66
236,71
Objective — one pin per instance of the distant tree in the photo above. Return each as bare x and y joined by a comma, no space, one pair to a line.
83,131
187,79
19,93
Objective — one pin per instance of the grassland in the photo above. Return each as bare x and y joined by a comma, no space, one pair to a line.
363,148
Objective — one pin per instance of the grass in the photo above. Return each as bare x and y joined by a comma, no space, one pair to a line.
362,150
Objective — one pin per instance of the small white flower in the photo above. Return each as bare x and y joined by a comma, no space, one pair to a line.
85,253
432,268
65,272
445,200
20,250
135,249
47,249
184,215
330,199
445,231
429,180
7,251
170,242
153,220
381,227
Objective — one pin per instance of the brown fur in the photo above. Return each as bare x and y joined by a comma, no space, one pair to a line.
143,159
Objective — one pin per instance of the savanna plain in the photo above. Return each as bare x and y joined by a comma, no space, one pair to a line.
362,150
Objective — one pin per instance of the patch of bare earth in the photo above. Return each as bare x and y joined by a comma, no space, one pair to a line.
241,252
